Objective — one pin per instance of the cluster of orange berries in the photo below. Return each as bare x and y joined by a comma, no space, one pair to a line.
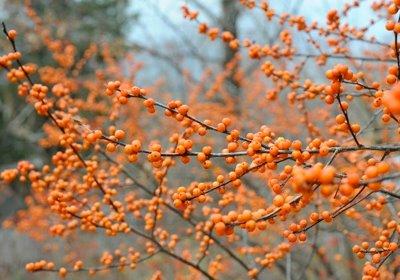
39,92
189,14
342,124
37,182
23,169
150,105
117,135
124,93
250,220
373,170
40,265
391,100
181,109
23,89
17,74
198,191
377,252
255,51
212,32
131,150
302,155
9,175
274,255
220,223
325,216
392,10
291,233
112,87
155,155
204,155
57,230
94,136
7,59
108,258
376,204
92,218
182,196
183,146
269,70
304,179
383,247
339,73
60,90
333,19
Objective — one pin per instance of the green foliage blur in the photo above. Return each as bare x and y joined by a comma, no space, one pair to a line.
81,22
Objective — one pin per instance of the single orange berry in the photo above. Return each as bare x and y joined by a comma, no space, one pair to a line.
220,228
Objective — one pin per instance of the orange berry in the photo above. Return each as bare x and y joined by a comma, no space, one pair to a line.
391,79
327,175
391,99
323,150
376,258
178,203
12,34
356,249
329,99
326,216
250,225
220,228
340,119
135,91
201,157
392,9
392,246
62,272
128,149
385,118
111,147
226,121
389,25
136,145
154,156
30,267
183,110
302,237
221,127
292,238
326,190
346,190
278,200
355,128
371,172
119,134
383,167
353,179
314,217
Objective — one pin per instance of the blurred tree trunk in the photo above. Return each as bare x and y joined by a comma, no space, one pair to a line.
229,20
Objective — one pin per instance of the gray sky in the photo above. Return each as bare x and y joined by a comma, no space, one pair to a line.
162,27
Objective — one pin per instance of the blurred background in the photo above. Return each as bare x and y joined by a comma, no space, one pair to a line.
167,47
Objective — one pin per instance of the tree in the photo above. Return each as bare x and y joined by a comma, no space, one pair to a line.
293,187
